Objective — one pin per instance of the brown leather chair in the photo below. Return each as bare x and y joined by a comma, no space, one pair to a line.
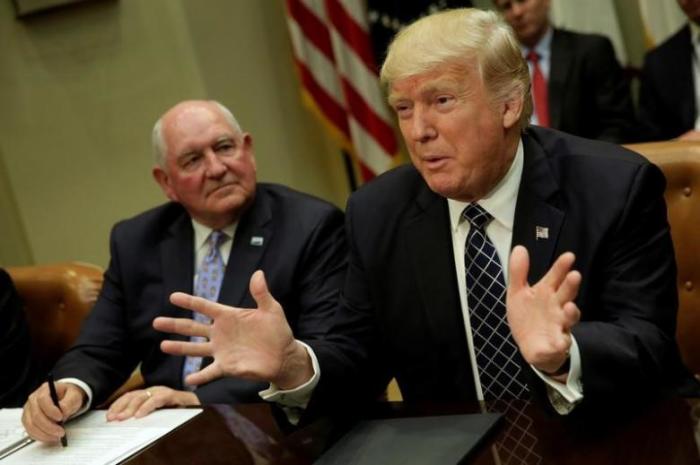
680,162
57,298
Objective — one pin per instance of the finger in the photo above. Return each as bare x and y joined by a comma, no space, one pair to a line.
45,404
119,405
569,287
518,265
182,326
37,421
205,375
158,399
572,316
198,304
193,349
558,271
260,292
71,398
135,401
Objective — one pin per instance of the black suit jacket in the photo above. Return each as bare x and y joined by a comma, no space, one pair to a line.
589,95
400,312
19,371
303,255
667,92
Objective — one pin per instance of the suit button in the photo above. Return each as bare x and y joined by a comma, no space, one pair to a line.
687,191
688,286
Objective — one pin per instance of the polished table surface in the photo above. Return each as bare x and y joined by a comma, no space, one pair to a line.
663,433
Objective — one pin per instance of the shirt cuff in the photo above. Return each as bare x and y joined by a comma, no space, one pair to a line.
564,397
298,397
86,389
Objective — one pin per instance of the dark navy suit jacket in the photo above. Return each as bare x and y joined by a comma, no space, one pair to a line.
666,91
400,312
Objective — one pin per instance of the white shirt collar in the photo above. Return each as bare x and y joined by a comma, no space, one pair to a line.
500,202
202,232
543,47
694,34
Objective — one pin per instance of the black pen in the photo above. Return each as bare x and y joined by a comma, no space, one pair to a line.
54,398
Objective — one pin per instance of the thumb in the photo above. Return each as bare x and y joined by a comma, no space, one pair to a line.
71,398
260,292
518,267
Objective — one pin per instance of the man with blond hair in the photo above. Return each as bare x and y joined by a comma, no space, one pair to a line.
507,260
218,228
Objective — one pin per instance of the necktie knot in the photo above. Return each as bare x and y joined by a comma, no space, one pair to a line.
216,238
477,216
533,57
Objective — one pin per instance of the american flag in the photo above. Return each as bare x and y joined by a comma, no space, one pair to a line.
333,54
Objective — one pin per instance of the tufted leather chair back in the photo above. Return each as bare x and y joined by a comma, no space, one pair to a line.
56,300
680,162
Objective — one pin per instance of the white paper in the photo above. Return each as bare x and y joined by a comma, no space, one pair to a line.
94,441
11,429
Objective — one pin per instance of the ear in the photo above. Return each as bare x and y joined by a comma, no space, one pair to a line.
512,109
163,180
248,148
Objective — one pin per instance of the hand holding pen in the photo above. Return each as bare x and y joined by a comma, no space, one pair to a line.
42,414
54,399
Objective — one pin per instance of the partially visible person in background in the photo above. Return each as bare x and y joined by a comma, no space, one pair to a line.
19,376
669,93
578,85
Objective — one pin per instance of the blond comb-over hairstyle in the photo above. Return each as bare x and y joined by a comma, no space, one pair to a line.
463,37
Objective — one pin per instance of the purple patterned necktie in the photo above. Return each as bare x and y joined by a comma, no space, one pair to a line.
209,277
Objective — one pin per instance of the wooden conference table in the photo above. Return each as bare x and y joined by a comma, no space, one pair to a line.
663,433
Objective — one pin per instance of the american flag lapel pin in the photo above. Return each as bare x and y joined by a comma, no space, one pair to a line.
541,233
256,240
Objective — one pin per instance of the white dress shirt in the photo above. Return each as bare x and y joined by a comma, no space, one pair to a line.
695,45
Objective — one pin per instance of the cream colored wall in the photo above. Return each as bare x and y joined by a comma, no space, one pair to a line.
81,87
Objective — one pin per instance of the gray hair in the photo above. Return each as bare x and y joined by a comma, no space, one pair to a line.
460,37
158,142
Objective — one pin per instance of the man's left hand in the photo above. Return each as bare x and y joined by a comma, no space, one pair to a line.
141,402
541,316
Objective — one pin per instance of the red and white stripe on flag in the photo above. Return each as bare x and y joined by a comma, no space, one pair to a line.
333,54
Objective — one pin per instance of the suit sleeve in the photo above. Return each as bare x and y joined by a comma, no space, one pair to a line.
350,360
321,272
653,118
628,346
102,356
15,348
611,91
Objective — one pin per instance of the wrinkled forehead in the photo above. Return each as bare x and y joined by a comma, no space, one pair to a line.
196,126
453,76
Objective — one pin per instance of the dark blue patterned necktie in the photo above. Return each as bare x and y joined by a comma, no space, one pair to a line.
500,373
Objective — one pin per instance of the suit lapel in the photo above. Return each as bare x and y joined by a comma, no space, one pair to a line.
560,63
429,245
177,262
253,235
538,219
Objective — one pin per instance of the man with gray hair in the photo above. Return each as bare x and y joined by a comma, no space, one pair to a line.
220,226
506,261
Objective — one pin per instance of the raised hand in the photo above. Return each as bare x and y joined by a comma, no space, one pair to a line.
541,316
255,343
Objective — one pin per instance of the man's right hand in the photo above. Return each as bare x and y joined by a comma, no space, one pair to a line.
40,416
255,344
